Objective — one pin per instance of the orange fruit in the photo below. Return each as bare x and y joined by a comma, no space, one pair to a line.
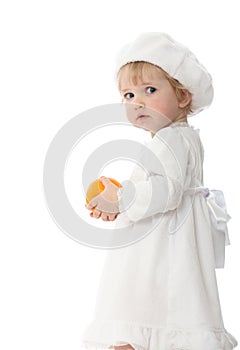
96,187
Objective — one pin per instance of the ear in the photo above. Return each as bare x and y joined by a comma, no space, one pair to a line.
186,99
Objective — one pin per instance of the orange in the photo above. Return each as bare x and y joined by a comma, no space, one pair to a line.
97,187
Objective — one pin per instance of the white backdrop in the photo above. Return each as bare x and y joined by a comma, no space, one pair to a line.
57,60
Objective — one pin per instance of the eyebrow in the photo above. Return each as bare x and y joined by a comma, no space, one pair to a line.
146,83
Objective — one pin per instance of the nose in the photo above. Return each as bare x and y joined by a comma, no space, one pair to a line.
138,104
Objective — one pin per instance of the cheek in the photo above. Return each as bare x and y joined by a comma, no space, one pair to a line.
130,111
160,105
164,104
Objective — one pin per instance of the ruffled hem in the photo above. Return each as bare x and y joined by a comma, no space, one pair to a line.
104,335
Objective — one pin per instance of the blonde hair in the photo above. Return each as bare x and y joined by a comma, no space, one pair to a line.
135,73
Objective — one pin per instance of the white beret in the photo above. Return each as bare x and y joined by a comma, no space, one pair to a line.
175,59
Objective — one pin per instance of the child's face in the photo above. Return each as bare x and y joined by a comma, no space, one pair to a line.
153,97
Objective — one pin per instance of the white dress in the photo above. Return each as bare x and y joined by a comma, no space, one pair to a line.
161,293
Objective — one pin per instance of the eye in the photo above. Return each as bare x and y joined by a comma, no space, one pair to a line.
150,89
128,95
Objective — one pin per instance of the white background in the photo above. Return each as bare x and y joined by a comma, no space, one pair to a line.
57,60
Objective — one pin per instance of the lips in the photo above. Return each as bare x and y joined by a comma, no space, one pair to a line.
142,116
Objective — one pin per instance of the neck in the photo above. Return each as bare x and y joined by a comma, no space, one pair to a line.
176,121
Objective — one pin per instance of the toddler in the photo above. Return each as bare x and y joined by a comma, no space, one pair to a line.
161,292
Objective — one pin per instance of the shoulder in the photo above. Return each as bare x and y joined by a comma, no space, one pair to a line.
171,137
175,134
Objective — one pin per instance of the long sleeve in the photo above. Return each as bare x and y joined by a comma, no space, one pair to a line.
157,186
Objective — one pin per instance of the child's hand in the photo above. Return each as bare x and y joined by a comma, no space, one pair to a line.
106,203
104,216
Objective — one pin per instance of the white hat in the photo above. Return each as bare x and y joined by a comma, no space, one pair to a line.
175,59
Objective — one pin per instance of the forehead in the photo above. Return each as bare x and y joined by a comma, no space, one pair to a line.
138,74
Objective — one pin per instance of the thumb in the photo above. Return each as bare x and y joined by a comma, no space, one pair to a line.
105,181
92,203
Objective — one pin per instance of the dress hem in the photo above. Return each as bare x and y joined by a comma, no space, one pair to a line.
105,334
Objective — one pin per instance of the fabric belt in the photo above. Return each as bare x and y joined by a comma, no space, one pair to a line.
219,218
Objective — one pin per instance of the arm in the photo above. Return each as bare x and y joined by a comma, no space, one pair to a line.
157,194
162,189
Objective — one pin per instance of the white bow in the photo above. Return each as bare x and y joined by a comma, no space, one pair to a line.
219,218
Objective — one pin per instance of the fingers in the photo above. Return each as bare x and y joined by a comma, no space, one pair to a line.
96,213
108,217
112,217
104,216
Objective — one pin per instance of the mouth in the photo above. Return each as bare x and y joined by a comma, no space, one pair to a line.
142,116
